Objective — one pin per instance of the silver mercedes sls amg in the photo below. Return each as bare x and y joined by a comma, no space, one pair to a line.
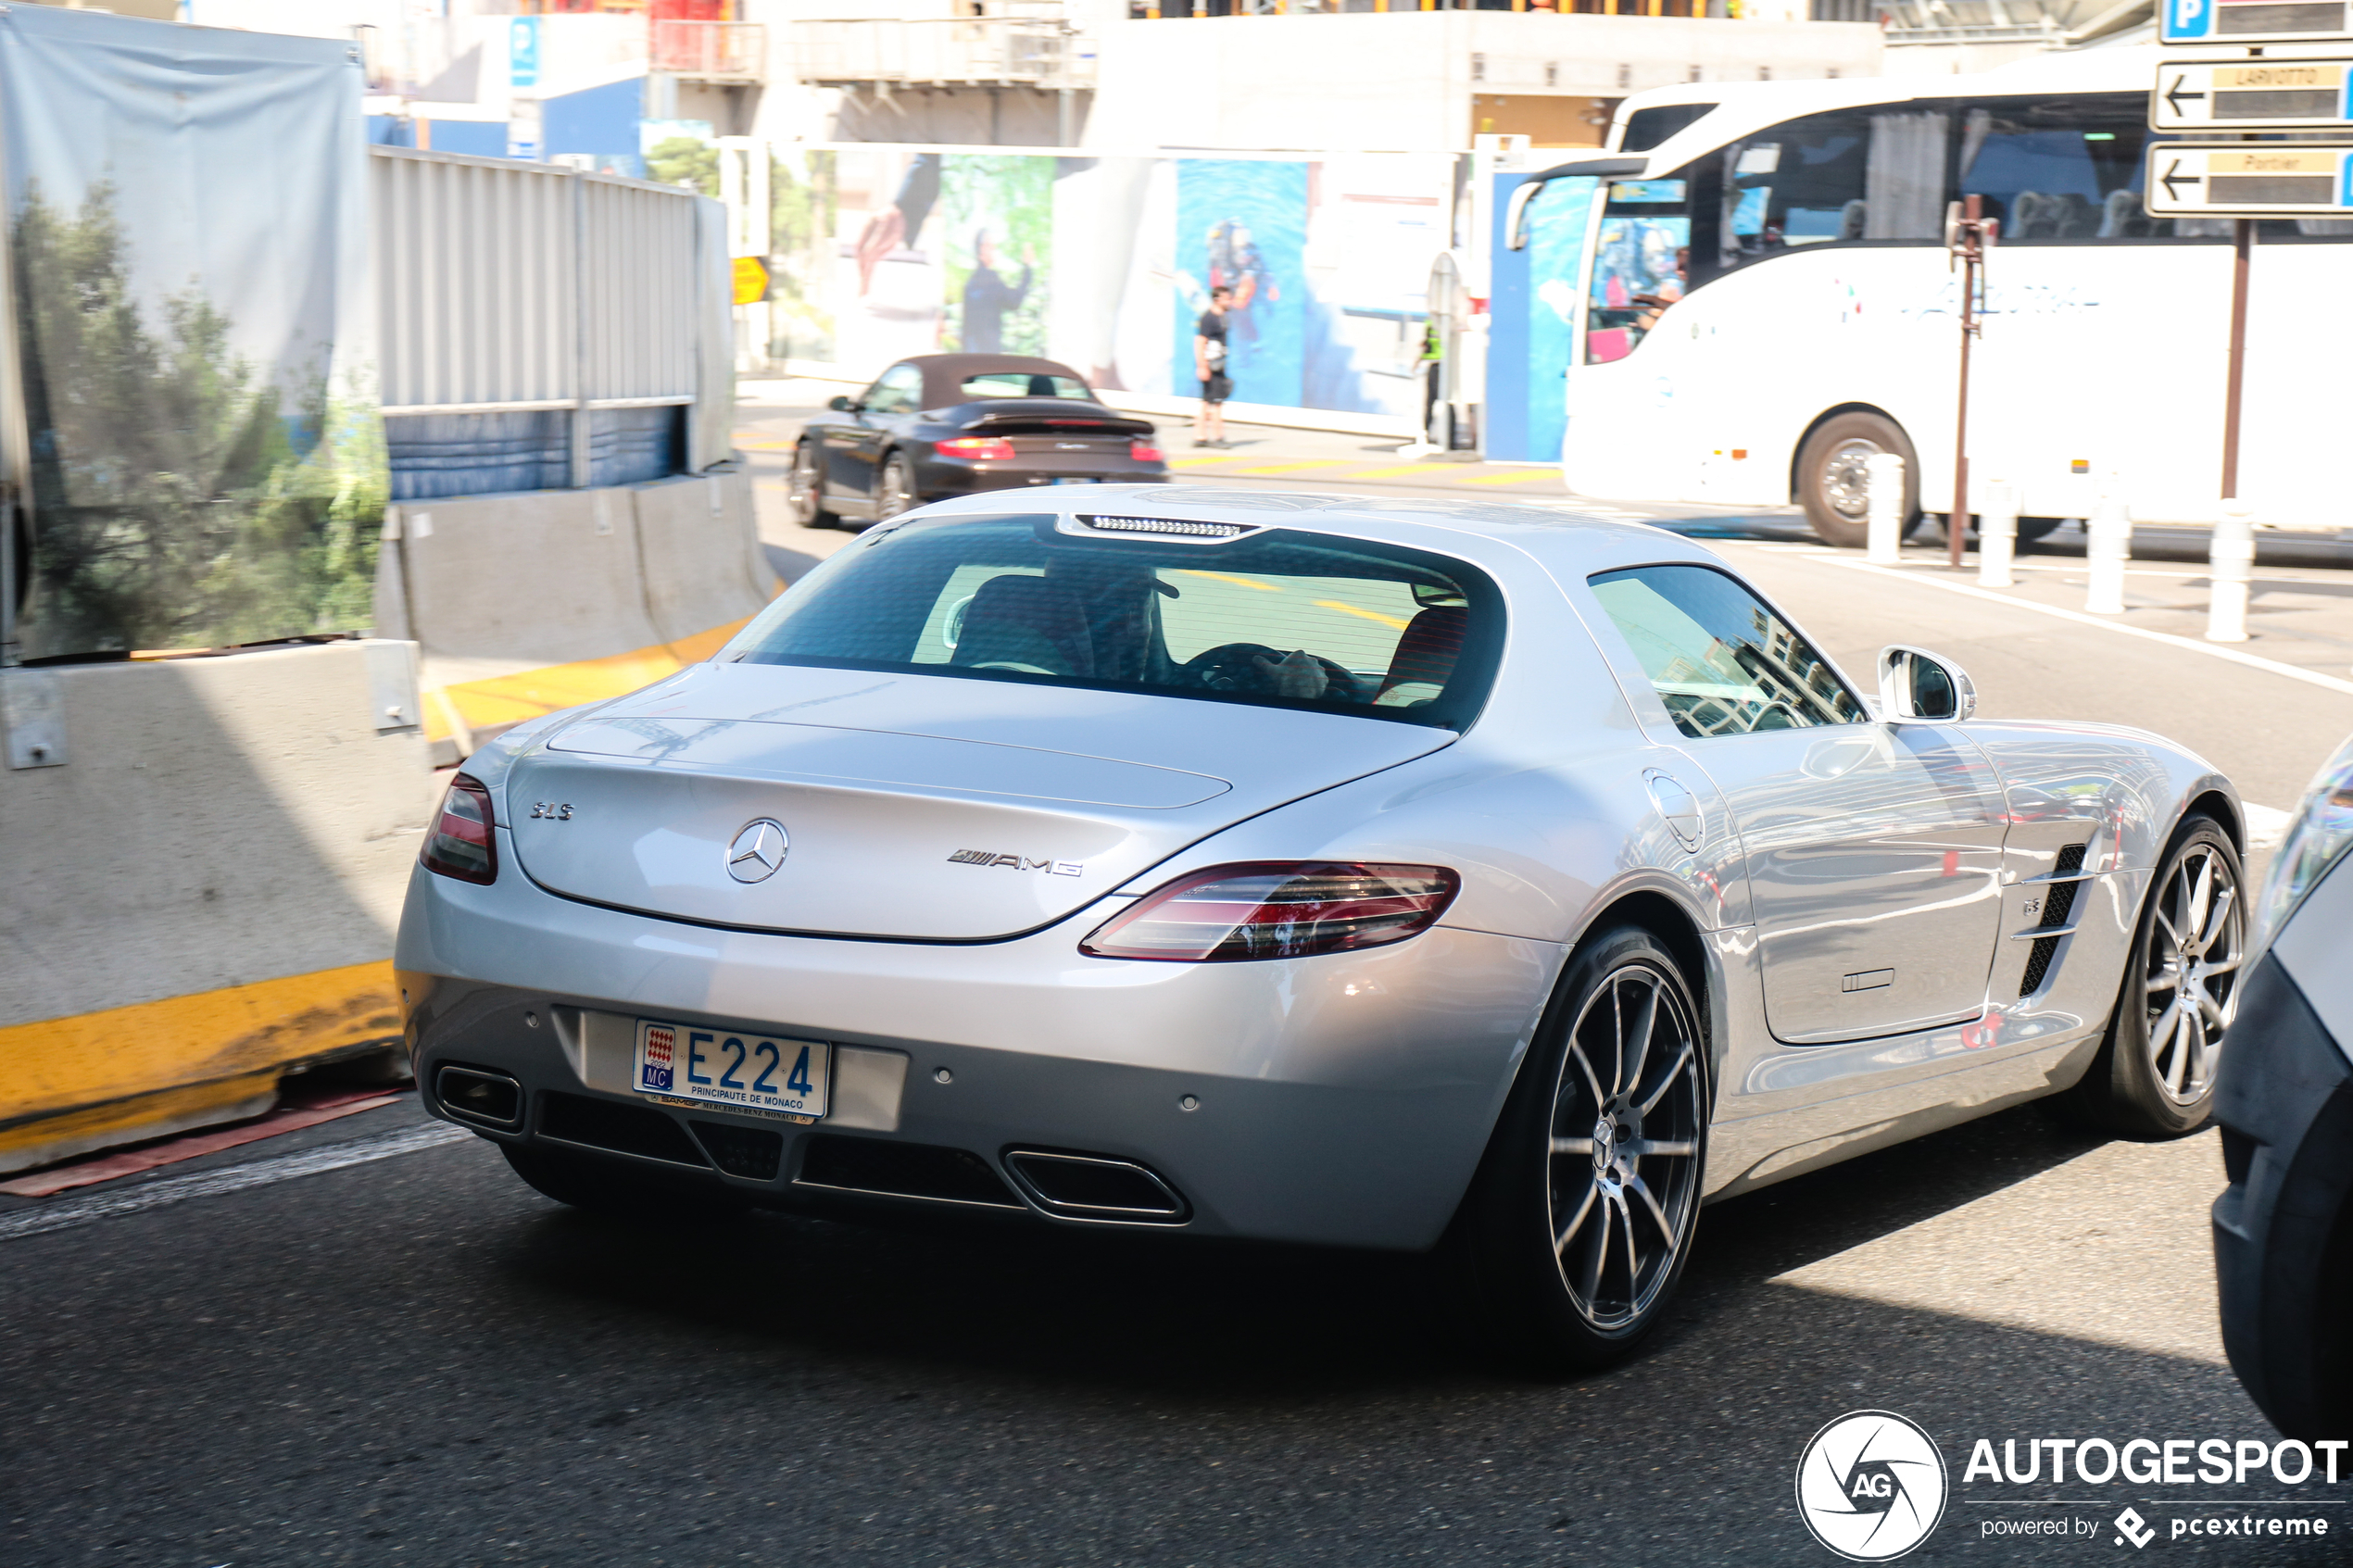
1408,874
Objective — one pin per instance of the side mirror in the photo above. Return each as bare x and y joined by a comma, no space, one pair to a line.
1917,687
841,405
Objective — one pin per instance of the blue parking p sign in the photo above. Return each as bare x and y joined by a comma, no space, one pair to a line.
2187,21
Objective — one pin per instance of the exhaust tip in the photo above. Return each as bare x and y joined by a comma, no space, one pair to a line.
488,1099
1097,1186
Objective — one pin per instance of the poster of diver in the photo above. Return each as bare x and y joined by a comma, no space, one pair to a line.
1241,225
996,225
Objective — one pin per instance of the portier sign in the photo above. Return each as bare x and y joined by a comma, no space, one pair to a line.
2248,179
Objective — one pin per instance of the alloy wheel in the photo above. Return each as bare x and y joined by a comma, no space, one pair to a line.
800,488
2196,942
898,490
1625,1146
1846,478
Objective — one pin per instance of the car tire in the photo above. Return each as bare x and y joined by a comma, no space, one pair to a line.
617,1187
895,490
2153,1074
1829,476
2029,529
805,489
1576,1230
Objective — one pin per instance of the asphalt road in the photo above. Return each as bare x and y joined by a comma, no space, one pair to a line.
416,1359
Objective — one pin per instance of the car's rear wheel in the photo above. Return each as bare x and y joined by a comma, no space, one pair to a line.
617,1187
1578,1224
805,489
896,492
1831,475
2153,1077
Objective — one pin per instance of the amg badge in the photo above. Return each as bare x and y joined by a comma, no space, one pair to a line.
1019,862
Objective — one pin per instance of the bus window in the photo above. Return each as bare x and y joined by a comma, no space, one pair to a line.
2066,170
1854,174
1640,264
1647,129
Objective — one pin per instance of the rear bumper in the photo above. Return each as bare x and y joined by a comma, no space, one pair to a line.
1344,1099
2282,1261
937,479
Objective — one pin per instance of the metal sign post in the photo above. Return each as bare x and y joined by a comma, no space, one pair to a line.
1968,234
2248,180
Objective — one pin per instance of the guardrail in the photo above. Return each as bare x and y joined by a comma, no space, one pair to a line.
956,51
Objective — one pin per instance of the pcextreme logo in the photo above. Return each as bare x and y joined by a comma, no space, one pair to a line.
1871,1486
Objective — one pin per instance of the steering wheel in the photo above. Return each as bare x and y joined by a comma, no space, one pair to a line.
1232,667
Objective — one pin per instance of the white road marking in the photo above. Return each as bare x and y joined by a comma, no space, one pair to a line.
2266,825
74,1212
2212,650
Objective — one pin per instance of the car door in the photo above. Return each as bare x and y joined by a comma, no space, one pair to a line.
1873,850
853,450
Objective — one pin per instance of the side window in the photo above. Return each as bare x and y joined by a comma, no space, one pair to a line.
1722,662
2068,168
1854,174
894,391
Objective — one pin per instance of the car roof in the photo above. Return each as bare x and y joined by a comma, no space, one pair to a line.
944,374
1570,544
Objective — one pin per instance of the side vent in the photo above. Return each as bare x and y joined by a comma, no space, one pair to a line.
2057,906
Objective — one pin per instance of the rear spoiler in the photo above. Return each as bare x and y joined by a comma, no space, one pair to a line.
1515,215
1105,423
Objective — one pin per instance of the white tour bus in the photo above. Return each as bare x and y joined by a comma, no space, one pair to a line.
1801,225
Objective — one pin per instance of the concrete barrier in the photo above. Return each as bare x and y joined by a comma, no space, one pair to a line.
200,882
543,599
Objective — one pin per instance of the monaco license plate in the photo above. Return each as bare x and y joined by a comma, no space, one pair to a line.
679,1062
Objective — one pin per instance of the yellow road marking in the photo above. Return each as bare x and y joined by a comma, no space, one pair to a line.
1197,462
1368,614
1294,467
97,1078
1404,470
511,700
1229,577
1528,477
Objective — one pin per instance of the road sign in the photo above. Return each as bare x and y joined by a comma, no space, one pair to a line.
749,275
2253,95
2248,180
2253,21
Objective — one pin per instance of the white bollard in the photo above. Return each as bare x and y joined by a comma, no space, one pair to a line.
1997,536
2230,565
1884,480
2111,527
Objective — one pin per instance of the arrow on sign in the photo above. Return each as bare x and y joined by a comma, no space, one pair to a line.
2173,94
2171,178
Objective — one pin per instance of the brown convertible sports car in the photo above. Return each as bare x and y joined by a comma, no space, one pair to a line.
948,424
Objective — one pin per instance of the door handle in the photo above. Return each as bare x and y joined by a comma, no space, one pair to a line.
1677,805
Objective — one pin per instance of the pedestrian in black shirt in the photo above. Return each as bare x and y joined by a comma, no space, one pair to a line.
1209,363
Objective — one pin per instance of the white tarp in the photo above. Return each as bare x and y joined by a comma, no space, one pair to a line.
187,221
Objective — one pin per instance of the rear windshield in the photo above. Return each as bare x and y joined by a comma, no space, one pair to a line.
1023,384
1285,619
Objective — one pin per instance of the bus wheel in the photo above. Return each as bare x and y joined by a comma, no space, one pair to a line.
2032,528
1830,483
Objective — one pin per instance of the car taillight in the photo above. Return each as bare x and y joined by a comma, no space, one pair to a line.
460,843
1277,910
1145,452
979,448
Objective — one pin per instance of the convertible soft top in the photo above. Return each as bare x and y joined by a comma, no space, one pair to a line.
944,374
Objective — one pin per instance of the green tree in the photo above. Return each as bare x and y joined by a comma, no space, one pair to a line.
181,498
685,160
